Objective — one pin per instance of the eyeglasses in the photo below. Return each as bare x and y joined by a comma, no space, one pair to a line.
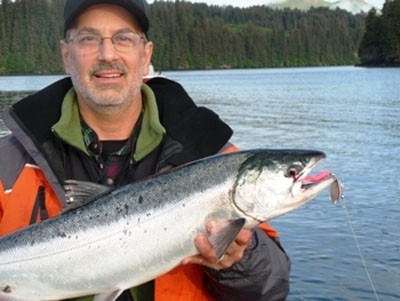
123,41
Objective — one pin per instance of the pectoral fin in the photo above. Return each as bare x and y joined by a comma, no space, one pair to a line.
223,233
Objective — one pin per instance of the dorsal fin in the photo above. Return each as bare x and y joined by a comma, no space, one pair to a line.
79,193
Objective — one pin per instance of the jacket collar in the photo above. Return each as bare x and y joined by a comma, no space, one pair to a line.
68,128
198,130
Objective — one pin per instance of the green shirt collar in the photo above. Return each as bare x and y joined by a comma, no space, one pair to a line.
151,133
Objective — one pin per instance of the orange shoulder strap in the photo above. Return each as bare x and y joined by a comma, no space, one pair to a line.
16,205
183,283
267,228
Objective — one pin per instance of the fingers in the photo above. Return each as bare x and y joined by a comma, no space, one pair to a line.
207,256
244,237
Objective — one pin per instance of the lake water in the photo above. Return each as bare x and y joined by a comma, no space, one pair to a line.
348,251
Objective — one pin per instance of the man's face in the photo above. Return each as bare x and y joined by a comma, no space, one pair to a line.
106,80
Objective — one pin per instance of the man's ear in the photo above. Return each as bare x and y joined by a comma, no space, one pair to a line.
65,55
148,54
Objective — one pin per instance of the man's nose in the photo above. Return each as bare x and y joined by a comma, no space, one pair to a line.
107,51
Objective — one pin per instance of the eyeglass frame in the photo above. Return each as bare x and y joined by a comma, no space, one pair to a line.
100,40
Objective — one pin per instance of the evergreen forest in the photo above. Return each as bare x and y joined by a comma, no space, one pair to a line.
380,45
200,36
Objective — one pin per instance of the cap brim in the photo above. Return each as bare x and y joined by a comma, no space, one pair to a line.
137,12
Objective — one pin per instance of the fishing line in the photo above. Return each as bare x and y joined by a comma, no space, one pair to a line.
359,250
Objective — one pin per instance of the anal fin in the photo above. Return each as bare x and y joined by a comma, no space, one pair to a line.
108,296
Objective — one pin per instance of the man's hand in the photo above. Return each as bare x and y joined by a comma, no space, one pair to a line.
207,255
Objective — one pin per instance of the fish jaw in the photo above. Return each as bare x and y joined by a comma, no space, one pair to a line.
271,190
308,192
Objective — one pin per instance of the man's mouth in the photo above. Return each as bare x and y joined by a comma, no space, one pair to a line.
108,75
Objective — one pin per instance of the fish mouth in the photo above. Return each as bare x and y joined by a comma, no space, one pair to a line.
319,181
306,186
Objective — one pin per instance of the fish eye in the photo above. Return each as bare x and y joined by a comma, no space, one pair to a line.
294,170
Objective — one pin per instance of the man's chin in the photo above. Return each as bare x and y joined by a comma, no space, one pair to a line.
109,108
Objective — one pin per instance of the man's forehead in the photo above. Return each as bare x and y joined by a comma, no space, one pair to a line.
113,14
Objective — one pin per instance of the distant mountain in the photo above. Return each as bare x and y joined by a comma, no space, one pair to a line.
299,4
353,6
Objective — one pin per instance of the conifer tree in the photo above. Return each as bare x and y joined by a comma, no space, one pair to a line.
198,36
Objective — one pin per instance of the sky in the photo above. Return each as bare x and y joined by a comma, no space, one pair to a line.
245,3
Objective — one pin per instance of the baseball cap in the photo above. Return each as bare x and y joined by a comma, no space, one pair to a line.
73,8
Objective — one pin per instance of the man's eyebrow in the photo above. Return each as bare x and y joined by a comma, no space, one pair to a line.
125,30
88,30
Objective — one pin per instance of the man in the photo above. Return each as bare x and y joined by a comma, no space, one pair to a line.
104,125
